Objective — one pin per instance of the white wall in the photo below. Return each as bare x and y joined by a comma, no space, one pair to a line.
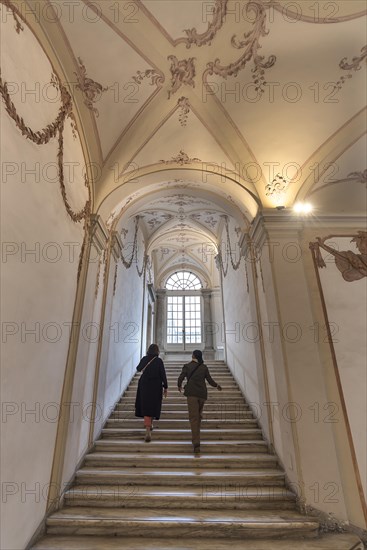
122,328
38,289
241,332
303,437
82,396
346,308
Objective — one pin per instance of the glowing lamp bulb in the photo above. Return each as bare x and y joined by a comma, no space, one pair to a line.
302,208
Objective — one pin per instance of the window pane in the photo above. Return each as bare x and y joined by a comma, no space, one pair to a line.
183,280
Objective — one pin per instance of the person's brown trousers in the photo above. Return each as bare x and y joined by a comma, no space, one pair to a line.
195,406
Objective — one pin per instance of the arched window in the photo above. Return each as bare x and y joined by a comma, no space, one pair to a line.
183,280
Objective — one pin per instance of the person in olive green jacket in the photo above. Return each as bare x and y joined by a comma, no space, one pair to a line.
196,392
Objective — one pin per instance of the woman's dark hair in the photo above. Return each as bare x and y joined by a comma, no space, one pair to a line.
153,350
198,355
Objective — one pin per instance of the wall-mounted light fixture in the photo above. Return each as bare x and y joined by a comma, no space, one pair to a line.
302,208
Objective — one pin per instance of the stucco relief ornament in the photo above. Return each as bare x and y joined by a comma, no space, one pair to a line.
251,43
359,177
91,89
181,159
277,187
155,76
351,265
18,25
353,66
193,37
183,72
184,106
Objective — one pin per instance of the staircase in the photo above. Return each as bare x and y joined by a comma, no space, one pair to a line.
159,495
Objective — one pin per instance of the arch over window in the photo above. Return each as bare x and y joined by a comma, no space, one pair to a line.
183,280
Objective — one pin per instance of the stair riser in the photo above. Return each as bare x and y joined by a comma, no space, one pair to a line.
192,464
225,379
209,407
183,415
184,504
215,400
183,424
206,448
165,529
136,479
176,436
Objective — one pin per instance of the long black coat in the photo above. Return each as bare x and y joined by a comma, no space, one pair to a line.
148,400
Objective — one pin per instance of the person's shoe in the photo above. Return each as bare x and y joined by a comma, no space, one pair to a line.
148,435
196,449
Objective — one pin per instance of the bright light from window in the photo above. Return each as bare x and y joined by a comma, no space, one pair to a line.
302,208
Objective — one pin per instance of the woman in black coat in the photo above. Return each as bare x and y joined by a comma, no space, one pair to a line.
148,402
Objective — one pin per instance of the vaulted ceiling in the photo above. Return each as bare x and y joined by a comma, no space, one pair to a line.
260,103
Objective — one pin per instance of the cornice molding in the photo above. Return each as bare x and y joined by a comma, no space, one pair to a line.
99,233
116,246
284,223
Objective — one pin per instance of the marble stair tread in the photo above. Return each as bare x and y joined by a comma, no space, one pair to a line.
168,522
182,406
185,434
189,460
176,423
133,499
183,415
133,446
326,542
211,516
217,398
196,476
182,497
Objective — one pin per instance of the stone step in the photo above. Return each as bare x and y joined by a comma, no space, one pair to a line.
183,434
225,375
127,496
215,372
340,541
149,459
181,523
209,406
197,477
219,398
173,392
183,423
172,385
224,416
133,446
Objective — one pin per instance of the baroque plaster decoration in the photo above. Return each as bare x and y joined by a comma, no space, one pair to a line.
184,109
352,67
359,177
156,77
181,159
17,18
351,265
229,253
100,262
352,177
247,283
155,219
205,38
91,89
277,187
251,43
52,130
183,72
115,280
207,218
